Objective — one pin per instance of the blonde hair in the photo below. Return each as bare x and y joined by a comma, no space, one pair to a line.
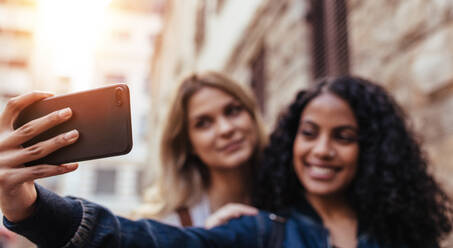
182,177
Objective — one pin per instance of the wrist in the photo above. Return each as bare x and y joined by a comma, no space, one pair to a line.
20,203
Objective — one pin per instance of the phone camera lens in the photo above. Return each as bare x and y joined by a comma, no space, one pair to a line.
119,96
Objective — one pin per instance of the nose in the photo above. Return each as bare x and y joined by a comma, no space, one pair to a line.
224,126
323,148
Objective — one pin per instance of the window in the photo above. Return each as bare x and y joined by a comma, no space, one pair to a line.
16,33
258,81
14,63
330,38
200,23
105,181
17,63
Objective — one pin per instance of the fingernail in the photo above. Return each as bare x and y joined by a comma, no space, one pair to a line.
71,135
65,113
46,93
70,166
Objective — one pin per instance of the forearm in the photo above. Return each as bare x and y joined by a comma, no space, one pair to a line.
53,221
72,222
18,208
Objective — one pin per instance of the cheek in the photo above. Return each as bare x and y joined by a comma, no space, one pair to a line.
245,123
299,149
350,158
351,155
254,135
201,141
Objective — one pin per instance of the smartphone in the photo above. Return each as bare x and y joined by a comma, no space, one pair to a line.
102,116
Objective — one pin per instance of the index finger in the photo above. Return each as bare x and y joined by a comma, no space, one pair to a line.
26,174
16,104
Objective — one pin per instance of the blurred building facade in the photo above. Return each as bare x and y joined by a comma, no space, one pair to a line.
121,55
16,47
17,31
274,47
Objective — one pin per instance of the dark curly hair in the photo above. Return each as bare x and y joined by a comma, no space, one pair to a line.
395,198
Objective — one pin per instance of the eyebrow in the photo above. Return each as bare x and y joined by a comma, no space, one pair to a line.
346,126
198,116
195,119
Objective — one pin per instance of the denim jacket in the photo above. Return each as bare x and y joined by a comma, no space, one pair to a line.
74,222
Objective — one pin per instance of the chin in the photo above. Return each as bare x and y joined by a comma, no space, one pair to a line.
237,160
321,189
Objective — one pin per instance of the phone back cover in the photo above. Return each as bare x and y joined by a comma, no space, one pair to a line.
102,117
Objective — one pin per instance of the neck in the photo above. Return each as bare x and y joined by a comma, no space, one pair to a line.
332,207
338,217
229,185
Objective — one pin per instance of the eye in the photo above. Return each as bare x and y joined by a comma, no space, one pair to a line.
346,137
233,109
308,133
203,123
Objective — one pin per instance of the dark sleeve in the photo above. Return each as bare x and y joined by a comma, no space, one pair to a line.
72,222
52,213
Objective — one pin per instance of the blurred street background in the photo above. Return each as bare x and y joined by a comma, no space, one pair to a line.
274,46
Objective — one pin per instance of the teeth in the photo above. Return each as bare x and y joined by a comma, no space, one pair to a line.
322,171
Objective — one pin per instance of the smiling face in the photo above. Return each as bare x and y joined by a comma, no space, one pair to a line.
326,149
221,131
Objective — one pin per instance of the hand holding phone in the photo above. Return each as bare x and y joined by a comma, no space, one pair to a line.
101,116
17,190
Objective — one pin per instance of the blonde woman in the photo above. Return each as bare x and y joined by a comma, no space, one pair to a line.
211,141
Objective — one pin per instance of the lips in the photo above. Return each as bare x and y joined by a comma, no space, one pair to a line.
321,172
232,146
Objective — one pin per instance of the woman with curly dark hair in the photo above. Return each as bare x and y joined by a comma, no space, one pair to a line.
344,148
342,170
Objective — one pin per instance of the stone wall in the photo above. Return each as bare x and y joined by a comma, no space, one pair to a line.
280,32
407,46
231,40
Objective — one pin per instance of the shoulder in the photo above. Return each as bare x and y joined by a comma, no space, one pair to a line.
266,229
